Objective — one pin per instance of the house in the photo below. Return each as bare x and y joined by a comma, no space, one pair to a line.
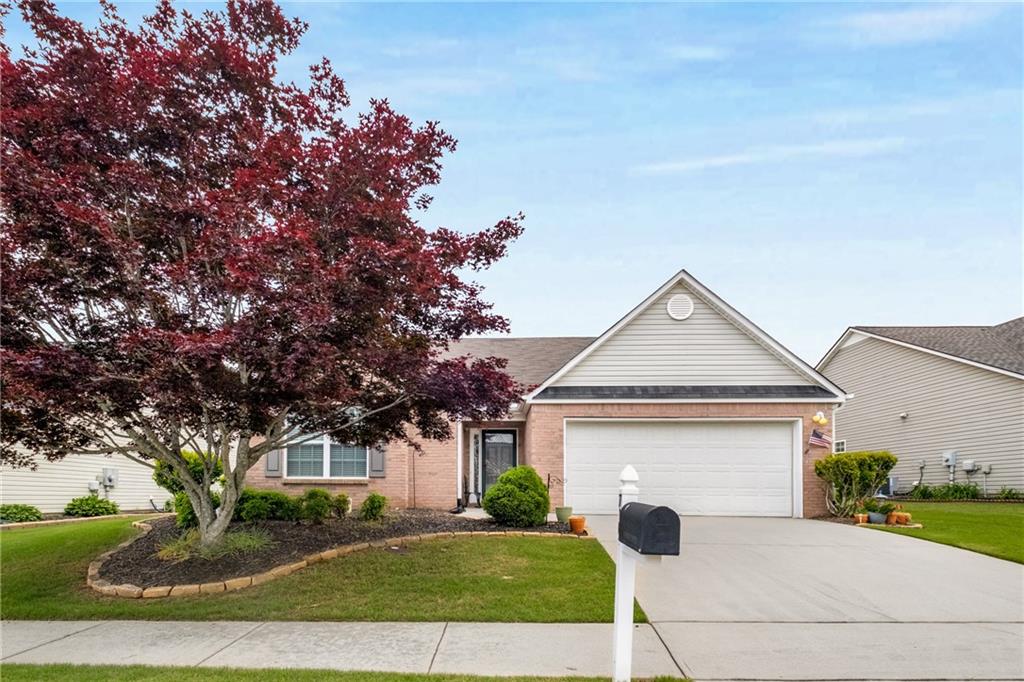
714,414
920,392
51,485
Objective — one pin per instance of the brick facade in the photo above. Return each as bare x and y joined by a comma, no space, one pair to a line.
545,435
428,477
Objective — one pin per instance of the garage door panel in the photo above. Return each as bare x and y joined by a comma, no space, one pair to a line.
707,468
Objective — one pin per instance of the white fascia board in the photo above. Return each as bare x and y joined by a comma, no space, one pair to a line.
842,339
644,401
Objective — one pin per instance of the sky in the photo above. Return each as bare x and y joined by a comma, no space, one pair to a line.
816,165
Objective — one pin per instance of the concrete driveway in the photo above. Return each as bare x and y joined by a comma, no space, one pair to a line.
794,599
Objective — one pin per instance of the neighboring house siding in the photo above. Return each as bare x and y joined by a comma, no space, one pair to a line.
704,349
951,406
53,484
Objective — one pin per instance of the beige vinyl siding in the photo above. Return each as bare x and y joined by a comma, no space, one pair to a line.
53,484
951,406
705,349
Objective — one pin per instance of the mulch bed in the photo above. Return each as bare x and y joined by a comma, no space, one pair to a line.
138,564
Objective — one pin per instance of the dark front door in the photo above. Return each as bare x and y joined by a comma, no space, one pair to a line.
499,455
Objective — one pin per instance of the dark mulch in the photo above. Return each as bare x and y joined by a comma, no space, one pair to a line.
138,564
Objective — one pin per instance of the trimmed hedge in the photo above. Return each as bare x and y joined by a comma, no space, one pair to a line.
373,507
519,499
19,513
317,505
852,478
91,505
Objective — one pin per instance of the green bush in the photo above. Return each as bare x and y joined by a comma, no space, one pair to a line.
316,505
373,507
90,505
852,477
518,499
167,478
341,505
280,507
922,492
1003,494
19,513
185,515
254,509
955,492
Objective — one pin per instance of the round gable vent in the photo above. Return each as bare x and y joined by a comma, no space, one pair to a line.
680,307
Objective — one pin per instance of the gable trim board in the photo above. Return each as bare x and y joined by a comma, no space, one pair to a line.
741,323
852,332
684,394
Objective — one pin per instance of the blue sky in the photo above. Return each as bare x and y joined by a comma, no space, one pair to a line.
817,166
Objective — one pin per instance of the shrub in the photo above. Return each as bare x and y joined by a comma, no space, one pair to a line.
185,515
254,509
956,491
316,505
518,499
922,492
341,505
19,513
167,478
853,477
280,507
90,505
373,507
1003,494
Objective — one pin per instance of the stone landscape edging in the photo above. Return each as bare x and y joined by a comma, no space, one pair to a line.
129,591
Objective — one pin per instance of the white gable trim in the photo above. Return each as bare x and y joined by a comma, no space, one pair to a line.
860,332
722,307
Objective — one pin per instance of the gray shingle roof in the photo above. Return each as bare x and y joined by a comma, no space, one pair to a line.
531,360
1000,346
683,392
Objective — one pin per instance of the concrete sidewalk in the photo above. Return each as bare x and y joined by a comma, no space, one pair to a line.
465,648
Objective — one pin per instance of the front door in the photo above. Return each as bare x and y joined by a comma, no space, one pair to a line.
498,455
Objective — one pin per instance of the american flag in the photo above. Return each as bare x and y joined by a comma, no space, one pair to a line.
819,438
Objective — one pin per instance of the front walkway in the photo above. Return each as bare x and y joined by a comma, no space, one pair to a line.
540,649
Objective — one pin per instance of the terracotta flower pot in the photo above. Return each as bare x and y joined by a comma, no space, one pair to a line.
902,518
577,524
892,519
860,518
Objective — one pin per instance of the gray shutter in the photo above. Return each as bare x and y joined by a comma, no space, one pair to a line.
377,461
272,464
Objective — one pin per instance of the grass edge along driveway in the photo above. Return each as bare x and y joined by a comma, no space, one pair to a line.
474,579
992,528
138,673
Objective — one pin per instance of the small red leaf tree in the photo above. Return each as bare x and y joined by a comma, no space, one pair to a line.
199,256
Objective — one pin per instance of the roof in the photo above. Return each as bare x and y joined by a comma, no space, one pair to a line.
1000,346
729,392
531,360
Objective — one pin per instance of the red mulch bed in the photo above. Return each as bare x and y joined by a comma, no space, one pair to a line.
137,564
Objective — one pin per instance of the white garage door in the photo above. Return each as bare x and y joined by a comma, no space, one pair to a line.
726,468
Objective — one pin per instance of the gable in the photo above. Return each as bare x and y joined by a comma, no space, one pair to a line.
705,349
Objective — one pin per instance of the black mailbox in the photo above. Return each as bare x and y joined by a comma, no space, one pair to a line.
649,529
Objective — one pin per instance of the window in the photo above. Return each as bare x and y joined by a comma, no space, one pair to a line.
323,458
839,446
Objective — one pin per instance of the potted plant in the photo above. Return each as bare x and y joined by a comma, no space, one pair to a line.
874,508
861,516
563,514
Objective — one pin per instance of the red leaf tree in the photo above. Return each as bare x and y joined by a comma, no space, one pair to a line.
198,256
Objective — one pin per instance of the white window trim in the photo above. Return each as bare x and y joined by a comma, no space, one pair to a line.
326,443
836,446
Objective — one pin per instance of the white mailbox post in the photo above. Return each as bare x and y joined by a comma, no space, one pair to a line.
645,534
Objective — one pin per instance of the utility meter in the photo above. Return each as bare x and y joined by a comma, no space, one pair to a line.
949,458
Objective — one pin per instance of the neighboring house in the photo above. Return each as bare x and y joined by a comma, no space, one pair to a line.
714,414
53,484
922,391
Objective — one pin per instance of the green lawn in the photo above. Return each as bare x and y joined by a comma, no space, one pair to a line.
139,673
989,528
499,579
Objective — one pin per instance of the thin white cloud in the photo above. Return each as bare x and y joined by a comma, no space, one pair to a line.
776,154
914,25
424,47
696,53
